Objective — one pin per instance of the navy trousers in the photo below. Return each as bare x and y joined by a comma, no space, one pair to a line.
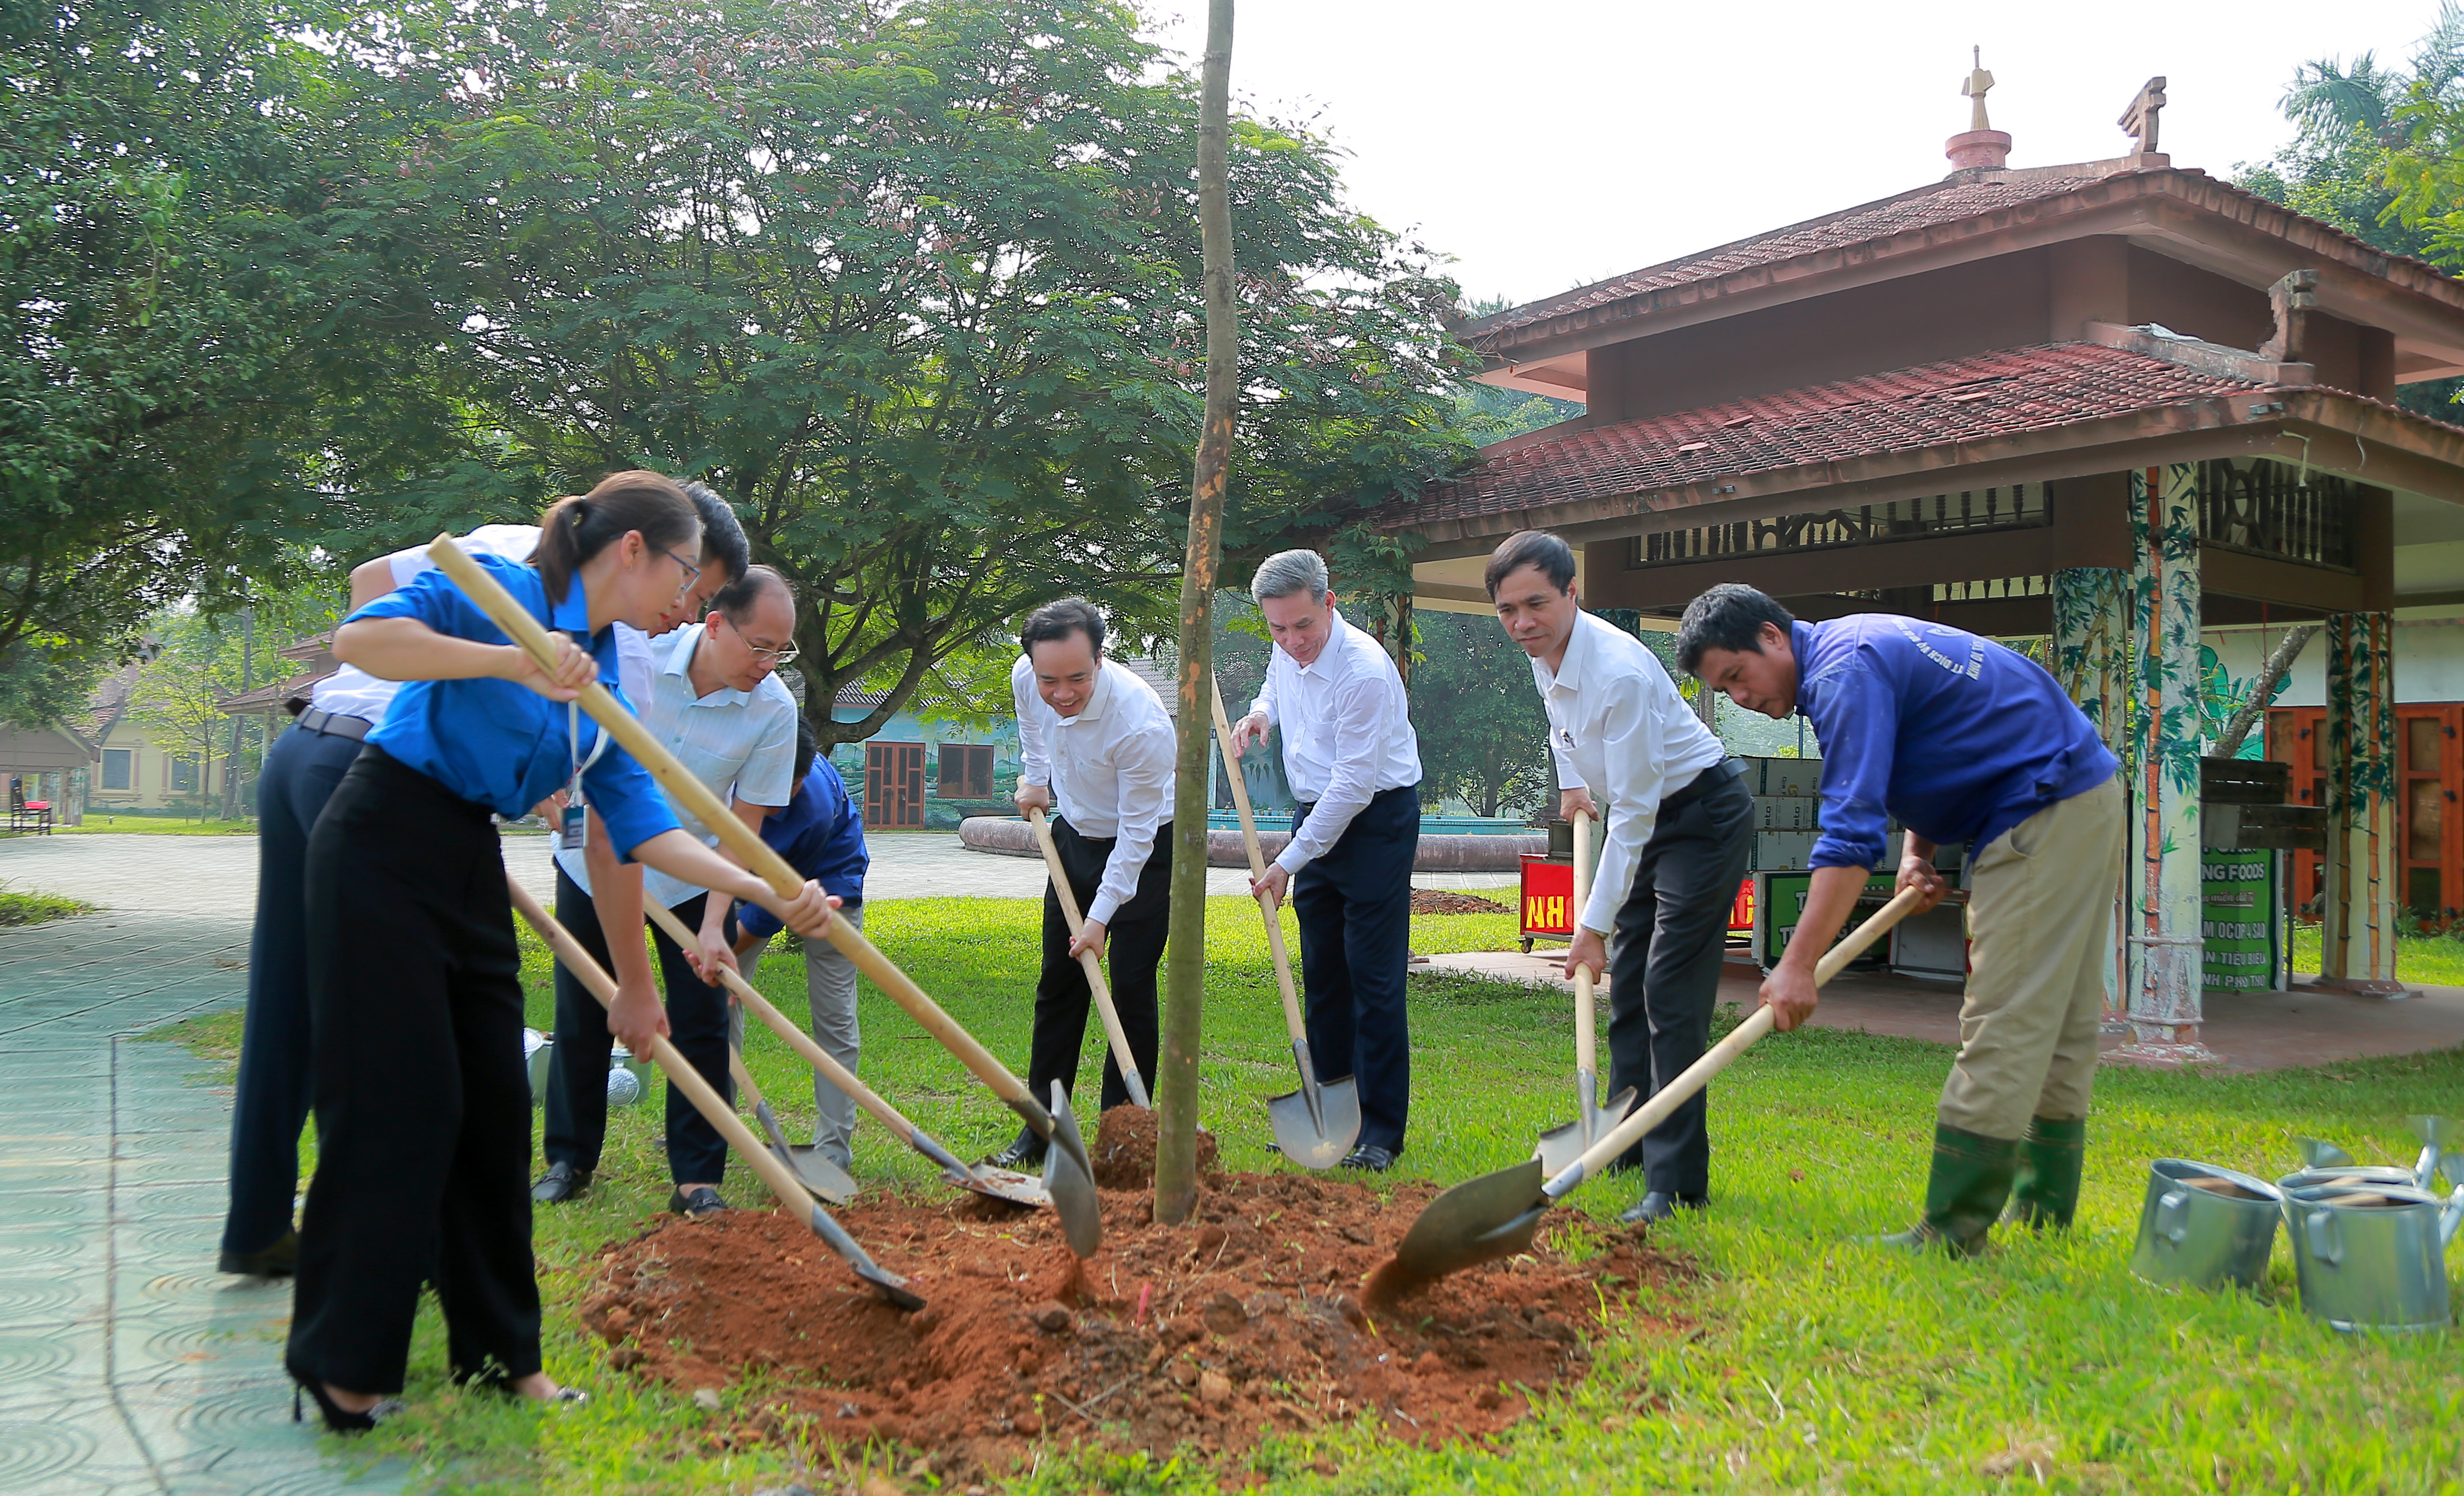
1132,949
576,1078
272,1104
1672,933
1355,904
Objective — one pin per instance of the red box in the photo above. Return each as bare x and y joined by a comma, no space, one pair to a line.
1547,899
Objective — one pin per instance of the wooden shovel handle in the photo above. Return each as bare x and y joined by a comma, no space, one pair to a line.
696,798
1240,787
679,1070
1113,1034
1677,1092
814,1055
1586,1023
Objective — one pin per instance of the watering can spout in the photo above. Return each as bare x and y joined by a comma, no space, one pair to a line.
2449,1218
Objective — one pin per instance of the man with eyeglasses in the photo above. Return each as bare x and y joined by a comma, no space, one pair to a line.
715,702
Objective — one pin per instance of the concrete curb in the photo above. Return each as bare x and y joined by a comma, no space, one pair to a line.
1004,837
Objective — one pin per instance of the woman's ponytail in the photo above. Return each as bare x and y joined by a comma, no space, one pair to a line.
578,526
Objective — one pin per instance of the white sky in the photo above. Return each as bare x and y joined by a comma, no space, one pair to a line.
1548,144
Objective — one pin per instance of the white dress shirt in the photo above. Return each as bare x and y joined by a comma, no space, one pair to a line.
1617,727
738,741
1110,768
352,692
1346,734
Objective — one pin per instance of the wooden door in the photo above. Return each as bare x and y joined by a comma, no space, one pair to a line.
2295,736
2428,772
894,785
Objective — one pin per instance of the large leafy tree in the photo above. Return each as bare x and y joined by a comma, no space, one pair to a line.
914,285
154,385
1483,735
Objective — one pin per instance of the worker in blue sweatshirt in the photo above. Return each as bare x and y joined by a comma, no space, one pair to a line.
821,834
1965,742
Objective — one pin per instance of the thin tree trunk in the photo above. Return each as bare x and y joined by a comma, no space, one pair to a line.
2228,743
1176,1183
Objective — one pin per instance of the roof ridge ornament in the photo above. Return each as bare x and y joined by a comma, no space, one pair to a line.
1980,147
2139,122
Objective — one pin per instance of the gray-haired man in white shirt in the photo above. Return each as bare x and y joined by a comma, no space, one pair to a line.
1354,766
1095,745
1679,828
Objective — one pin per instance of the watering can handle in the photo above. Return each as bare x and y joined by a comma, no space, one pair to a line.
2324,1243
2173,1215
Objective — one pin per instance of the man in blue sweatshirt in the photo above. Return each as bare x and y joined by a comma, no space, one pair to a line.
1963,740
820,833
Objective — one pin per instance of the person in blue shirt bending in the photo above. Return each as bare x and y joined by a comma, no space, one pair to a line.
1963,740
414,989
820,833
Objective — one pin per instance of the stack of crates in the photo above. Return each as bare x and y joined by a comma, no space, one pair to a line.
1788,818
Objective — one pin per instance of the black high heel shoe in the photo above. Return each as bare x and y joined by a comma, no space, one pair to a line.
338,1419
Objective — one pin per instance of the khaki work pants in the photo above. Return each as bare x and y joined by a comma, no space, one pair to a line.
2041,940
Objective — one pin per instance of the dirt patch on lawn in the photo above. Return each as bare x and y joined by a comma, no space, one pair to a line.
1210,1334
1124,1154
1438,901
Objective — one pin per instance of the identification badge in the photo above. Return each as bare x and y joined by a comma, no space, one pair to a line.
573,832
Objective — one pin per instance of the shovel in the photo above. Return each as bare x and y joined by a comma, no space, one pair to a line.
1561,1145
1496,1215
1095,983
1317,1125
774,1172
1019,1189
1067,1173
825,1181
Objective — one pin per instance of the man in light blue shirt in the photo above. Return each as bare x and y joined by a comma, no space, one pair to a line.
716,704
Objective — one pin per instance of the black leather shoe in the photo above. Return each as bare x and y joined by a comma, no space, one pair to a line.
273,1262
700,1205
1024,1152
560,1184
1371,1158
338,1419
1657,1205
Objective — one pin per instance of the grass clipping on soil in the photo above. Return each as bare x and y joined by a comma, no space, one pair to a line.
1244,1321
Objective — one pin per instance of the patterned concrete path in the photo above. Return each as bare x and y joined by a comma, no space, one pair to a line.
127,1364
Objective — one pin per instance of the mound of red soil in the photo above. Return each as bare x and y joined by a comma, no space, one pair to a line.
1438,901
1124,1150
1209,1335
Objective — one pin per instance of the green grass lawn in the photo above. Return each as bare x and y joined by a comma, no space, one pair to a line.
34,907
158,826
1812,1364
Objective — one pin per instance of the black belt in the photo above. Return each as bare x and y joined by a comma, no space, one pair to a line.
335,724
1710,778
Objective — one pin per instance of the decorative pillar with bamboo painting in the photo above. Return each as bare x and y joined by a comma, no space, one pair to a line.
2358,940
2161,901
2090,657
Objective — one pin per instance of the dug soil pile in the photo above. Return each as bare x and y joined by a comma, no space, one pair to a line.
1124,1154
1209,1335
1438,901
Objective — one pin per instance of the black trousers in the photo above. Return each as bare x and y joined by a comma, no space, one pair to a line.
422,1115
1133,951
1355,907
576,1126
1672,932
271,1102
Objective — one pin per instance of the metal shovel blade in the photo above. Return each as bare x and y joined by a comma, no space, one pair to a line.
1561,1145
1069,1180
1478,1221
1317,1138
1000,1184
814,1170
890,1286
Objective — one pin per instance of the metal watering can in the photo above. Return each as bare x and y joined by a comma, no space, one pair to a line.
2374,1257
2326,1164
2205,1226
629,1080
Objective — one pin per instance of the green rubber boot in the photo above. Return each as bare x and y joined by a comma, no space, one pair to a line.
2047,1190
1963,1194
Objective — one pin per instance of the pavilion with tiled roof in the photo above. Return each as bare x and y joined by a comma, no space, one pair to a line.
2105,403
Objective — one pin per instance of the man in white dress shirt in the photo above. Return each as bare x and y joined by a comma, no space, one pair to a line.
1680,830
307,761
1354,766
715,702
1098,755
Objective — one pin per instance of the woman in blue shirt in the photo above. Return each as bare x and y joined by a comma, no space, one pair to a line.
415,1002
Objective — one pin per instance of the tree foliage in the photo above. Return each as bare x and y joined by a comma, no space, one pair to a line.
1484,735
913,285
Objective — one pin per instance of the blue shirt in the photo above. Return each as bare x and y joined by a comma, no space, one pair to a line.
820,833
502,745
1958,736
